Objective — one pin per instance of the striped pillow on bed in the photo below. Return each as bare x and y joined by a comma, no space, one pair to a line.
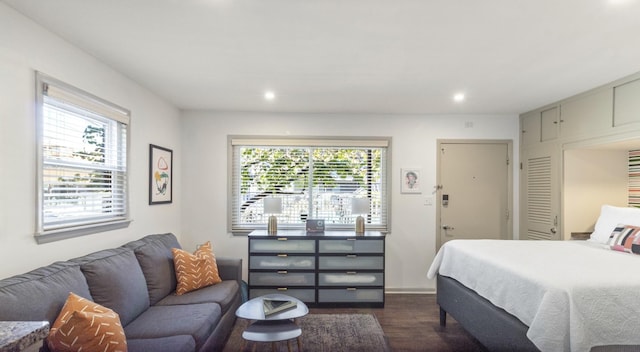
625,238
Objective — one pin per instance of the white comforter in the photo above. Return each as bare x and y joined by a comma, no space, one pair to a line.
573,295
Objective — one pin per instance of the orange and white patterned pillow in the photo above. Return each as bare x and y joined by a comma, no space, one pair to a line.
83,325
197,270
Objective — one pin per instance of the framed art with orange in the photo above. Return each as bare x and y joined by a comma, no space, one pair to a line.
160,175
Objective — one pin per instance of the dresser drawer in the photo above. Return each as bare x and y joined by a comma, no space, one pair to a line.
351,279
282,261
350,262
282,278
351,246
282,245
305,295
350,295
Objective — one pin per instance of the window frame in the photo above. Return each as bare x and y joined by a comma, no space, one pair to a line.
105,110
308,141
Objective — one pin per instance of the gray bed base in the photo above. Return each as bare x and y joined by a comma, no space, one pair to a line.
496,329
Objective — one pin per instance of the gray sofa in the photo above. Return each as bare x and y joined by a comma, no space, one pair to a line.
137,280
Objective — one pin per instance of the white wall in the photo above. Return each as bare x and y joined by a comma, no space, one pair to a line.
198,212
410,246
592,178
24,48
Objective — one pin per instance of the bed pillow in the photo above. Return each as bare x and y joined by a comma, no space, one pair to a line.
197,270
623,237
610,217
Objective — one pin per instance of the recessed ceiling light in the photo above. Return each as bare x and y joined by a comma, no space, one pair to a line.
458,97
620,2
269,95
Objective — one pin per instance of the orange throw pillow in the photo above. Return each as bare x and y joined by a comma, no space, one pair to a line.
83,325
197,270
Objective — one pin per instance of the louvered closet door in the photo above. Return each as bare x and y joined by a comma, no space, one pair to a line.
540,194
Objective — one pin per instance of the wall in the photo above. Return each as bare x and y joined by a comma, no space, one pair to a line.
410,246
25,47
592,177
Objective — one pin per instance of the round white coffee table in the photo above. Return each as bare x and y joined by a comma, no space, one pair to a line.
275,327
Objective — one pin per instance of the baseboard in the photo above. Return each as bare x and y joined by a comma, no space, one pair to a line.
412,291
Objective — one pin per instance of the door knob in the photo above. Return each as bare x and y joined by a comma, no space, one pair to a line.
446,227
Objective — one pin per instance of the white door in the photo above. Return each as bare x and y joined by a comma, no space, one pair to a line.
474,190
539,195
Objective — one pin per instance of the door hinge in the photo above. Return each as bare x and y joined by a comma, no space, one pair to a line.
508,215
520,166
508,161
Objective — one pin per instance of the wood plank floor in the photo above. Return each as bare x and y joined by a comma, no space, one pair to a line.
412,323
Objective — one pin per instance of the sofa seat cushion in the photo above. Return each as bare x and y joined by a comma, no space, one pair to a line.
223,294
179,343
197,320
41,293
116,281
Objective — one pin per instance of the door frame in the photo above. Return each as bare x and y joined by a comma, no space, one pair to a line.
438,188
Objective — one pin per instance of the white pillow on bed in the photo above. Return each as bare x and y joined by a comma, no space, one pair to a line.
610,217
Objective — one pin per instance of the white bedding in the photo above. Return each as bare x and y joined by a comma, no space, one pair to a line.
573,295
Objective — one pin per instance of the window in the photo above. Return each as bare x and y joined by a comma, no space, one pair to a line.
315,178
82,162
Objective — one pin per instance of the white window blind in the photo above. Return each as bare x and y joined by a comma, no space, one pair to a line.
82,168
315,178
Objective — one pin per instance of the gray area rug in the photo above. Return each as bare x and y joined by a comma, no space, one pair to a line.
323,333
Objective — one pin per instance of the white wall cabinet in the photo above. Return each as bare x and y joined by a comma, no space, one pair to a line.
610,112
626,103
587,115
549,124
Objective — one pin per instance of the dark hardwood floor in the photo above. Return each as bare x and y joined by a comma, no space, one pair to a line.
412,323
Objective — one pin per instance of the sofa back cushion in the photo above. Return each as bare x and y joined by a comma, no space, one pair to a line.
116,281
40,294
156,260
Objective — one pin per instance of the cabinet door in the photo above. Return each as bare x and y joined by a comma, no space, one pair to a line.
549,124
530,128
351,245
540,193
626,103
281,245
587,115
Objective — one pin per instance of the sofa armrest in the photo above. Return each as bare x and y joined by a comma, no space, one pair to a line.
230,268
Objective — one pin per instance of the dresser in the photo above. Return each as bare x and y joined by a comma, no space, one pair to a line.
332,268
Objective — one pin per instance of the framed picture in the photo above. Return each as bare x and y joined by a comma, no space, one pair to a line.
160,175
410,179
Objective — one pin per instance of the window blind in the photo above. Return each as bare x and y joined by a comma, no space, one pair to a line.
315,178
82,153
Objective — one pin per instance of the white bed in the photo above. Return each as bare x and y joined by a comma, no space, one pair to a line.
572,295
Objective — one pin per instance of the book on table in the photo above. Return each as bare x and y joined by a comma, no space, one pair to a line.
272,306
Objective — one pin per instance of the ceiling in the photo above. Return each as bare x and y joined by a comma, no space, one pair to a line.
355,56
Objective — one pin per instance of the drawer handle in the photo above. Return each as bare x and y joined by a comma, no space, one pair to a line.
351,239
281,288
352,272
351,289
282,238
351,256
282,271
282,255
